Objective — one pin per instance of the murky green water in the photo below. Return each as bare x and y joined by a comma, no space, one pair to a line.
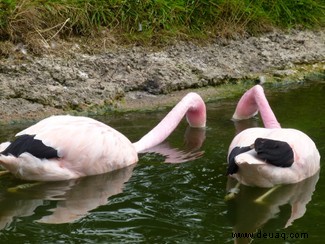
157,202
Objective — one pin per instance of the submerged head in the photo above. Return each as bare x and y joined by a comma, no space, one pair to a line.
247,106
252,102
196,113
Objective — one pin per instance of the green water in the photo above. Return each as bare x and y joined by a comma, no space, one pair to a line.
158,202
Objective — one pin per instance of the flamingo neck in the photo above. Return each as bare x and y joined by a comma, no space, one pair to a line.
191,105
252,102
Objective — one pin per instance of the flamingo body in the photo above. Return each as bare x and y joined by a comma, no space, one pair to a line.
84,147
253,170
67,147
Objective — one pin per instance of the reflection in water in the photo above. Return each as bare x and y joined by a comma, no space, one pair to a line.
88,194
11,208
193,139
248,216
75,198
241,125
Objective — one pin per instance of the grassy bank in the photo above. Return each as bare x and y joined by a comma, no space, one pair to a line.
152,21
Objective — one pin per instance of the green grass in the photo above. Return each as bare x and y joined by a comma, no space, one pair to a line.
154,21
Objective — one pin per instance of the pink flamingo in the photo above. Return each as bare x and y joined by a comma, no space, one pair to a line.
270,156
68,147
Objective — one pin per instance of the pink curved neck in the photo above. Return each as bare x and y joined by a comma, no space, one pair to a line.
252,102
191,105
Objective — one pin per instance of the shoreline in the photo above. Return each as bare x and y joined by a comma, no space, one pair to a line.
68,80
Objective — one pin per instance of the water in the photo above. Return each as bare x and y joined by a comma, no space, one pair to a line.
159,202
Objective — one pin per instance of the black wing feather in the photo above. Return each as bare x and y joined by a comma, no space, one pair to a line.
278,153
27,143
232,166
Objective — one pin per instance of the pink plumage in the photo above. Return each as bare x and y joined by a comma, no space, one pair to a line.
254,171
86,146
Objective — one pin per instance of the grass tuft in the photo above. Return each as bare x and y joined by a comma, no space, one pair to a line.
152,21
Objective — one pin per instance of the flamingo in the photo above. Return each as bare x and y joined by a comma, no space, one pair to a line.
270,156
67,147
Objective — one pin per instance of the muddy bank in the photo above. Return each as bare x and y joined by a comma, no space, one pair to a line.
127,78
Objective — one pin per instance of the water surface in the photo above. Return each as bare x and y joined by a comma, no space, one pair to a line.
159,202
